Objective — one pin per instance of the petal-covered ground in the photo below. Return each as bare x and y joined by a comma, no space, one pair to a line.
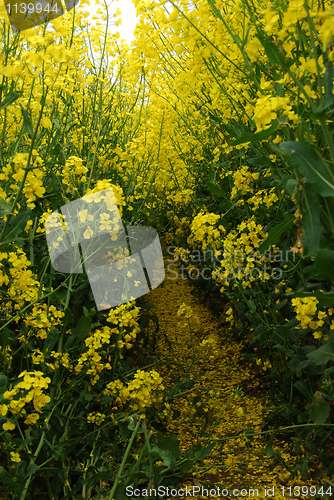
226,399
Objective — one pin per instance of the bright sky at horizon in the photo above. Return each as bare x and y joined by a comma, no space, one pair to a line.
128,17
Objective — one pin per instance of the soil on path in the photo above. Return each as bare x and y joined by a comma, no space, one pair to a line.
212,405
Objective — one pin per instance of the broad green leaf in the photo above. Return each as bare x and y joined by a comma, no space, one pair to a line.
325,298
56,123
259,160
83,328
5,477
165,455
311,220
259,136
276,232
204,451
275,56
299,360
324,262
27,124
186,467
212,177
311,165
16,226
51,340
320,412
290,186
322,355
215,189
170,443
4,208
284,349
251,305
3,383
269,448
9,99
32,468
304,389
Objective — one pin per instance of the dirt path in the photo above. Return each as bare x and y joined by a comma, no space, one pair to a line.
211,407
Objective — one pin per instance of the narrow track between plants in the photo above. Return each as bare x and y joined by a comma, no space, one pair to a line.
221,398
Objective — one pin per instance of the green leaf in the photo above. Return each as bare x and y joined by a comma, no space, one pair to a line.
56,123
259,136
18,222
304,389
324,263
324,354
186,467
311,220
325,298
4,209
290,186
170,443
299,360
5,477
27,124
32,468
3,383
269,448
204,451
212,177
276,232
51,340
284,349
320,412
328,83
9,99
83,328
311,165
251,305
215,189
275,56
165,455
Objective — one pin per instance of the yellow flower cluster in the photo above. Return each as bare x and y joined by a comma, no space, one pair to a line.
202,230
15,457
305,309
43,318
33,186
22,287
242,179
96,418
236,260
29,390
61,359
264,364
104,184
142,392
73,169
265,196
91,358
185,311
126,316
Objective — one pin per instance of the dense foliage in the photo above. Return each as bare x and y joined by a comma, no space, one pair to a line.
216,129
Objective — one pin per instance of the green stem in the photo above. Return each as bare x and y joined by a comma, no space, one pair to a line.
148,445
127,451
32,460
